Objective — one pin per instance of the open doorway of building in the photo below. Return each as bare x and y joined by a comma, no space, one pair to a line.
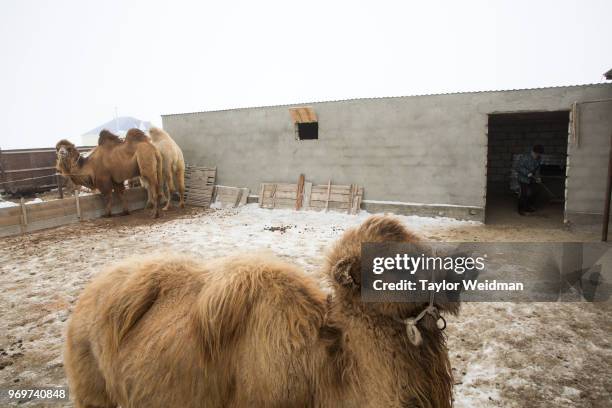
511,135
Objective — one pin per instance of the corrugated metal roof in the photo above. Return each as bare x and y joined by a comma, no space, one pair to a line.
291,105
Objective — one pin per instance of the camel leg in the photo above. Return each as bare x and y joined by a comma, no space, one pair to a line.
154,190
120,189
180,180
107,193
149,166
87,385
109,204
146,186
156,197
168,185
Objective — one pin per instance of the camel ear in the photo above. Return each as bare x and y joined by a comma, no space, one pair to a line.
347,272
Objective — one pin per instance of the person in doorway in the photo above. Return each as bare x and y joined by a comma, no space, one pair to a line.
528,172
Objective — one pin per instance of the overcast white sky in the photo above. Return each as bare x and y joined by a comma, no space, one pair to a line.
66,65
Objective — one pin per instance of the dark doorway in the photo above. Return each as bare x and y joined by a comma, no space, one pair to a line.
511,135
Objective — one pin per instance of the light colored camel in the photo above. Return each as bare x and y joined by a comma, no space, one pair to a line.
112,162
252,331
173,166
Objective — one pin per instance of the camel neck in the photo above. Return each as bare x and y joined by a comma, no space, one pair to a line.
77,172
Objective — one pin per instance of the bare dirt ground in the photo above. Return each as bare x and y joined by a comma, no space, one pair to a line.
503,354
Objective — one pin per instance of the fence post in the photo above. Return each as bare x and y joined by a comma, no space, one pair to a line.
78,204
24,216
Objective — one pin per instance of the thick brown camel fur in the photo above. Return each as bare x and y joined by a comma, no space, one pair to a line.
252,331
112,162
173,166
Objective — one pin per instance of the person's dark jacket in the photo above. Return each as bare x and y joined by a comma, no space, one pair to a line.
526,165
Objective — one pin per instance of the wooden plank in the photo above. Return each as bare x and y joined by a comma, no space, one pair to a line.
9,220
203,203
47,205
284,201
51,223
332,197
334,189
199,185
197,201
77,204
285,205
328,195
244,196
262,187
291,188
200,199
303,114
10,211
208,196
329,205
201,171
273,196
357,201
24,215
200,190
200,194
10,230
200,174
227,196
307,194
280,194
300,192
45,214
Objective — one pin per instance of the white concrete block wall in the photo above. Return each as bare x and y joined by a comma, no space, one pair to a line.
423,149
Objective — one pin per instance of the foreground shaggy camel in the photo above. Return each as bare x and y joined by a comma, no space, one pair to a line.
112,162
252,331
173,166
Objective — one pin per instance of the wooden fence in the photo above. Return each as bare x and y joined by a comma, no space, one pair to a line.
311,197
19,219
199,185
29,170
32,217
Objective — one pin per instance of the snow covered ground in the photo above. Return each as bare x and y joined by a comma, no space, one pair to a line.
503,355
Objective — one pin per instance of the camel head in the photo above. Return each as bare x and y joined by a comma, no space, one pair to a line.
67,155
343,267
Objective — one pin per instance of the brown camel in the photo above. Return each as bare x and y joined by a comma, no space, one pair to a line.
252,331
112,162
173,167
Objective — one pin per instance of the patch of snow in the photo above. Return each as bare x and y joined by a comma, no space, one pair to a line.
7,204
218,205
34,201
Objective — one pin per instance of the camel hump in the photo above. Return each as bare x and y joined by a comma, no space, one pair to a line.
254,292
106,137
136,296
136,135
158,134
